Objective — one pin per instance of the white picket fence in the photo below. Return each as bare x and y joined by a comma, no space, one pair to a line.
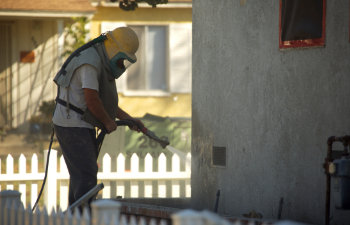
131,184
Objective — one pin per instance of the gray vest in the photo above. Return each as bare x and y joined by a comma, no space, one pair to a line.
97,57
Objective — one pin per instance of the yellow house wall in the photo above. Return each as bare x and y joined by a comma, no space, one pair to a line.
31,82
174,105
139,16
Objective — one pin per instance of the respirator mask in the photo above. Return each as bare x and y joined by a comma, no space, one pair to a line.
119,63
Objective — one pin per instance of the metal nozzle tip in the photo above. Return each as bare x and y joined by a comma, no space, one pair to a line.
164,143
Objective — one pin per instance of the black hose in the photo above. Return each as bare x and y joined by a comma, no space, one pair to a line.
100,138
217,201
46,169
99,39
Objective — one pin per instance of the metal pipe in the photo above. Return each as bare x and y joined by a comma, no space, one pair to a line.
280,207
328,178
85,198
217,201
345,140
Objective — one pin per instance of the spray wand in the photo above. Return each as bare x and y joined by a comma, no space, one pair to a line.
131,123
100,138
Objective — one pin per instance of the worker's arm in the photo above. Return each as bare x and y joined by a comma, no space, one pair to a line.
95,106
122,115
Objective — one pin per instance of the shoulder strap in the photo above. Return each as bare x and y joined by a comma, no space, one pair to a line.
73,107
99,39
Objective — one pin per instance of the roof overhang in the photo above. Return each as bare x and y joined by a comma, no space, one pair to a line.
44,14
143,5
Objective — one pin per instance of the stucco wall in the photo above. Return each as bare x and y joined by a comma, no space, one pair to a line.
273,110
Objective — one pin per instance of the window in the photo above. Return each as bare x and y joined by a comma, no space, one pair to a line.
164,60
149,73
302,23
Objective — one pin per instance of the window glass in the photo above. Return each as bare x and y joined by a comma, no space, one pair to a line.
156,61
135,75
302,23
149,72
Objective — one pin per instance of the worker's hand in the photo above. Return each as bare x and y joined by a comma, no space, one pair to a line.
122,115
95,106
110,126
137,126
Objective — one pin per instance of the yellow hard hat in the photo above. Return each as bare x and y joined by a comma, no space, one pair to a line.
122,39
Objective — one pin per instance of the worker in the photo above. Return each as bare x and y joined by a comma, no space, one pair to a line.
87,98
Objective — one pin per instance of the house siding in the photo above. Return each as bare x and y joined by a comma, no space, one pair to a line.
32,81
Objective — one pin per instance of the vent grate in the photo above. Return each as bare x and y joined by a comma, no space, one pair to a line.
219,156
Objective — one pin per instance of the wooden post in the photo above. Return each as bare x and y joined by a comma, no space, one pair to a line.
8,198
120,170
162,170
148,189
187,217
134,185
175,184
34,186
9,170
51,180
22,170
106,169
105,210
64,188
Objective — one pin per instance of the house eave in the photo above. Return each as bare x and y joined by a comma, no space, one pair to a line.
43,14
143,5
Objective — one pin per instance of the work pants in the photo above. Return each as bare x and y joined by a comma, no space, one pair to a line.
80,152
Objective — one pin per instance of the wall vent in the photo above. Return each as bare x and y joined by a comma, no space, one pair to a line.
219,156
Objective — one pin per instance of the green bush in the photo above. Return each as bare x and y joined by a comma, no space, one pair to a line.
75,35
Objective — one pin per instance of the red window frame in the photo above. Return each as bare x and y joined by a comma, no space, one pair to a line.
303,43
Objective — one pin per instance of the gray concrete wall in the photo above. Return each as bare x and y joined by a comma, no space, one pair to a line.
273,110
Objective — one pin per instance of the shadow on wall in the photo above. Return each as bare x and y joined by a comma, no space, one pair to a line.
27,69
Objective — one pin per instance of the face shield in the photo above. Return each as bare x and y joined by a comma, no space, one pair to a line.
119,63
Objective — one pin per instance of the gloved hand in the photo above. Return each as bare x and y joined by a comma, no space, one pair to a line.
110,127
138,125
